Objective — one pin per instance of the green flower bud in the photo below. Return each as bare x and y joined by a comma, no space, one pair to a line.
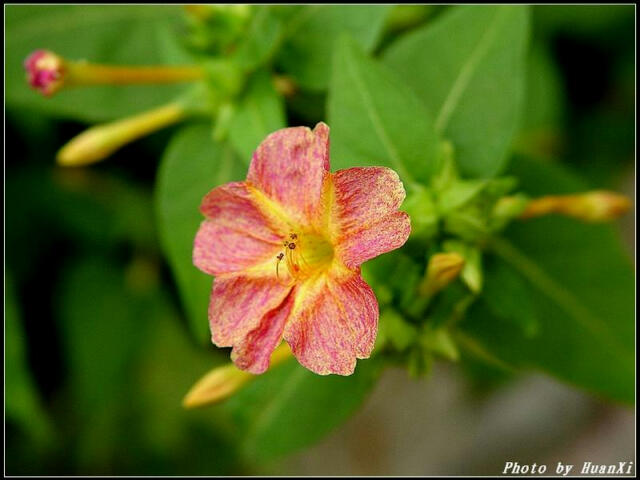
472,271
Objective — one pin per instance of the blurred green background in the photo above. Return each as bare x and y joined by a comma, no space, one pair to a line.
98,352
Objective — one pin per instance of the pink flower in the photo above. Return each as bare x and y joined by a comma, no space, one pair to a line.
286,246
45,71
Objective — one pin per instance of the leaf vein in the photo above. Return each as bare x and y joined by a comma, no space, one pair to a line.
378,125
467,71
559,294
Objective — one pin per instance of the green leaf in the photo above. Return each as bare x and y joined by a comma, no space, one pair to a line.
259,113
312,32
193,165
168,367
261,40
103,319
469,69
439,341
376,119
542,122
396,330
394,276
84,207
593,21
507,296
290,407
136,35
22,402
582,285
459,193
100,316
545,102
129,358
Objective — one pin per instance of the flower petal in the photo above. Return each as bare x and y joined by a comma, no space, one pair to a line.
389,233
239,303
254,351
333,322
365,220
289,167
237,234
364,195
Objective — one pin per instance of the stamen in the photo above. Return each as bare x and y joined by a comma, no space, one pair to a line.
280,256
291,265
304,255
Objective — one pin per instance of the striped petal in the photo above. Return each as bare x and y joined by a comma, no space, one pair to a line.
334,321
365,219
290,166
238,305
389,233
254,351
238,232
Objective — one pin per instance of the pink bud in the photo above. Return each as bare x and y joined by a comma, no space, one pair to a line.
45,71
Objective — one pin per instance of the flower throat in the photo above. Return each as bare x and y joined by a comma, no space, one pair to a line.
304,255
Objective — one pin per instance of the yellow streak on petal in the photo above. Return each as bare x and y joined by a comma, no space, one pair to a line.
309,287
273,211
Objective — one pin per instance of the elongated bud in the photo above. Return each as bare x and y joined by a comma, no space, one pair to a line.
443,268
222,382
46,71
594,206
218,384
100,141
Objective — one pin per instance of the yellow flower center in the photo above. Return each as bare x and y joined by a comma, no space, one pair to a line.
304,254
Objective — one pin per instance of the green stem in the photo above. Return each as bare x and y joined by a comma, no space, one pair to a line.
86,74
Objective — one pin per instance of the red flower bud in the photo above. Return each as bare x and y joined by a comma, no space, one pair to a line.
45,71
